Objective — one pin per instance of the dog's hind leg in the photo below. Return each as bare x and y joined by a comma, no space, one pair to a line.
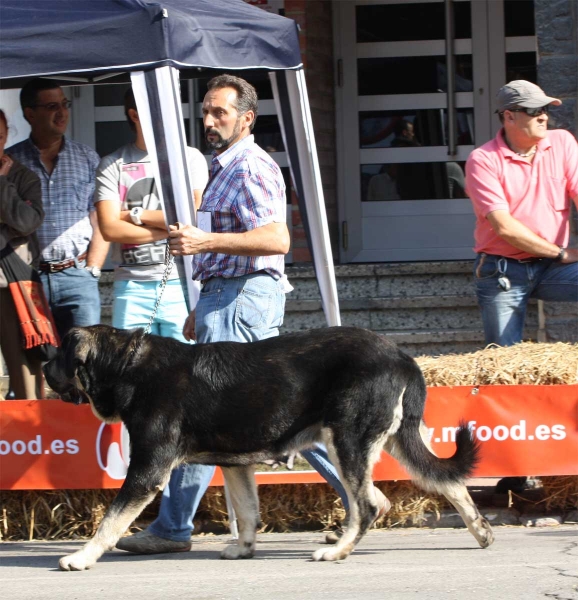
478,526
456,492
458,495
355,467
137,491
243,491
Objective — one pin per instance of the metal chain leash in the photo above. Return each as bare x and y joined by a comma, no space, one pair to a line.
169,262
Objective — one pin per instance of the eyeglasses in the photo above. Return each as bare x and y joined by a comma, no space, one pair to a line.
54,106
531,112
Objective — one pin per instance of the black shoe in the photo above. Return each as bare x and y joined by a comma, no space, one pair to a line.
512,484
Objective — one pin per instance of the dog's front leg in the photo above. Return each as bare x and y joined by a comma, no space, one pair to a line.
138,490
243,491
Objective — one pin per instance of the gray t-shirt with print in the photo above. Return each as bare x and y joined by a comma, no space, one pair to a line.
126,176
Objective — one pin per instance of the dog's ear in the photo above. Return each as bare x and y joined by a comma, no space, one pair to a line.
76,346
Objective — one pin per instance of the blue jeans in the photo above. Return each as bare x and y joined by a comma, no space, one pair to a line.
504,311
73,297
242,309
134,302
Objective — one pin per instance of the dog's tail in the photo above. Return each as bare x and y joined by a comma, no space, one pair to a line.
411,445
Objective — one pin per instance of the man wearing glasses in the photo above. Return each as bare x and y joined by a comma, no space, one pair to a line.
521,184
72,248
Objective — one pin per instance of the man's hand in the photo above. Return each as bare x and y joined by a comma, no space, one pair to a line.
266,240
5,164
186,239
189,327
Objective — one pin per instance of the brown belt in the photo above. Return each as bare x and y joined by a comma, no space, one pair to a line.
55,267
531,260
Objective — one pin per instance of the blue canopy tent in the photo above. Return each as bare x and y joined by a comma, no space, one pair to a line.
90,41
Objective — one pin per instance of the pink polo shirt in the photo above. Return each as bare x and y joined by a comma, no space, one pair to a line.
538,194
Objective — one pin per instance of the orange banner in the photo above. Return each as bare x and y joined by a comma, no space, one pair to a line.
523,430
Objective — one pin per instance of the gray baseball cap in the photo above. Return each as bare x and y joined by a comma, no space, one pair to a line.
523,93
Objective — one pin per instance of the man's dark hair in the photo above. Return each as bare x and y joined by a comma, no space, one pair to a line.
246,94
29,93
401,126
129,102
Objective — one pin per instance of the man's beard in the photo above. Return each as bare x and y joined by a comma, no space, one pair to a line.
220,143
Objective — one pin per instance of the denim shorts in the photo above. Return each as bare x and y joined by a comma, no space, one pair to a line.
134,302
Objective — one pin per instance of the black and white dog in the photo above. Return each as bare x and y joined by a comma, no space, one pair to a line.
235,405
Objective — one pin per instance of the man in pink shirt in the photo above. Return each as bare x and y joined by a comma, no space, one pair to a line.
521,184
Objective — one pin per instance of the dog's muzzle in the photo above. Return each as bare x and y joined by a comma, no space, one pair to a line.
66,389
75,396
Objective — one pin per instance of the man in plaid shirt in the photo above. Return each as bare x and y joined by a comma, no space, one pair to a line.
72,249
238,252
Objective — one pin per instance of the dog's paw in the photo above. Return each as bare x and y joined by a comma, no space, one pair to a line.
322,554
235,551
486,535
74,562
481,529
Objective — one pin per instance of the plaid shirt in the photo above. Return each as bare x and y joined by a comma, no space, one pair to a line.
246,190
66,197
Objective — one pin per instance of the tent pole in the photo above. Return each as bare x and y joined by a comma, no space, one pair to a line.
291,100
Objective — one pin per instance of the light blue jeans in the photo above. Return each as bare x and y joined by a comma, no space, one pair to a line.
134,302
243,309
73,297
504,311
